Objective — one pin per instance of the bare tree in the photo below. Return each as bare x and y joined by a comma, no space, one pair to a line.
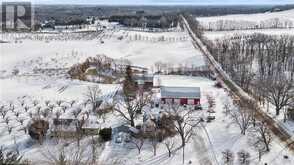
138,143
35,102
45,112
64,108
9,129
279,92
60,155
79,130
129,108
94,142
185,121
3,112
93,95
264,135
227,108
72,103
47,102
51,107
57,114
228,157
76,112
242,118
211,102
154,141
169,144
158,66
16,113
244,157
7,120
20,120
59,102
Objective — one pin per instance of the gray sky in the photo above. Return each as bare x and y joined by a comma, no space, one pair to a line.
161,2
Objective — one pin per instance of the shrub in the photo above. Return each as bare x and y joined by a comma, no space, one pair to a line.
218,85
105,134
9,157
38,129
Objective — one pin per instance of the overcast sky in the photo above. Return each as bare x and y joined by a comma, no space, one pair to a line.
161,2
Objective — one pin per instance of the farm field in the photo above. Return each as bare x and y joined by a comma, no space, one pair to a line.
53,55
64,54
249,21
135,46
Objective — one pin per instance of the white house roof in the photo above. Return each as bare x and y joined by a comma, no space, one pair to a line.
180,92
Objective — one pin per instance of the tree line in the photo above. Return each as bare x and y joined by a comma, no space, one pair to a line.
262,65
220,25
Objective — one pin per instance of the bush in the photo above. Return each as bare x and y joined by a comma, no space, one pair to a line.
218,85
38,129
105,134
9,157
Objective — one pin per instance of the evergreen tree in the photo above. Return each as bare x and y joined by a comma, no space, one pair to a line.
129,85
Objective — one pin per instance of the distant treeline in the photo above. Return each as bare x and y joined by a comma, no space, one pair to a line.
224,10
45,12
148,21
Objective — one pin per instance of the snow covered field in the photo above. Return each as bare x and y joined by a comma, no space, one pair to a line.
27,54
277,23
288,14
138,47
283,19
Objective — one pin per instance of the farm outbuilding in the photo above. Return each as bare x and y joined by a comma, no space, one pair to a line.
180,95
146,80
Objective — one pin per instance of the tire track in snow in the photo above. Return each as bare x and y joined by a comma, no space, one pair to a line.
201,148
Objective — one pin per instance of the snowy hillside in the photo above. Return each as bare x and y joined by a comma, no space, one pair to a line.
284,19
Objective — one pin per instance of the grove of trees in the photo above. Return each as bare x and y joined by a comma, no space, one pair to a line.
262,65
220,25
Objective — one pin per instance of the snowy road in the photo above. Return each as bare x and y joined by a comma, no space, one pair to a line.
200,148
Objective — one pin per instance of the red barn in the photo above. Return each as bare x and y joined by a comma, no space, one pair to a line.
180,95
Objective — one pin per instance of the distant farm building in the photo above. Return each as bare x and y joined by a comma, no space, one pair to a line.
138,69
145,80
180,95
